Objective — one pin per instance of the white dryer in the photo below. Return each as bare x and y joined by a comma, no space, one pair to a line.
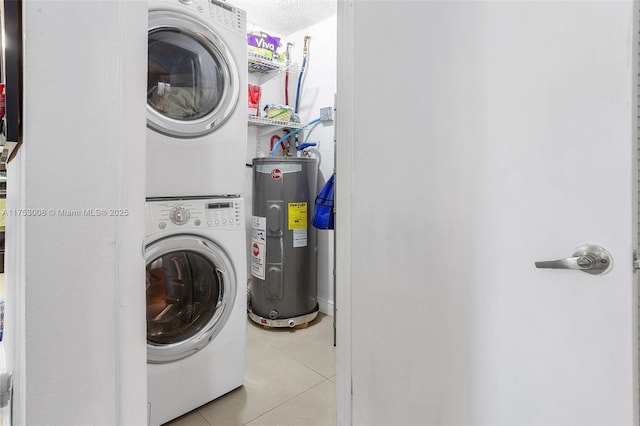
196,302
196,98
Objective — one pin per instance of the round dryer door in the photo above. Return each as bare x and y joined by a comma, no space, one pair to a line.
191,289
192,79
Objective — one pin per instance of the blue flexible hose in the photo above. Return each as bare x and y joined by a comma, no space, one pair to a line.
296,131
304,63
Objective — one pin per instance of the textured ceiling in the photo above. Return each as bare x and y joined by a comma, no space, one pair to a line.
286,17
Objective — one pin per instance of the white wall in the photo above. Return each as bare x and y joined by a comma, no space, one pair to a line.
319,88
75,300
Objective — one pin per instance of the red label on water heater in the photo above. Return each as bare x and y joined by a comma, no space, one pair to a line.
276,173
256,249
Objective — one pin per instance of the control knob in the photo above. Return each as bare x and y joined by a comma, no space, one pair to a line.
179,215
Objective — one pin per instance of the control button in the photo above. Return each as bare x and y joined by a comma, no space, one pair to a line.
196,222
209,223
162,225
224,221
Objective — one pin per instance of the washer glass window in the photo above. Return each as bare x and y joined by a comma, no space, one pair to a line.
185,77
183,292
191,289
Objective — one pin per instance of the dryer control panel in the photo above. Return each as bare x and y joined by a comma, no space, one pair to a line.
205,214
229,16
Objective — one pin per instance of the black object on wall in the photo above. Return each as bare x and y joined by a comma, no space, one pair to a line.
12,69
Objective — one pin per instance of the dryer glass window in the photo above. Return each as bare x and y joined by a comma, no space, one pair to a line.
185,79
184,291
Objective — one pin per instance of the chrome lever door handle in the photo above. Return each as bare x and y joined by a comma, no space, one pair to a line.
579,263
588,258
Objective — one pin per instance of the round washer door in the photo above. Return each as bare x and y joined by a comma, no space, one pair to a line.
192,79
191,289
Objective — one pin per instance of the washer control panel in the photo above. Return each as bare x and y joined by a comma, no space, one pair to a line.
207,214
223,214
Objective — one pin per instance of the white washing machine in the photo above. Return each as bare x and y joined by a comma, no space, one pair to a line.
196,98
196,302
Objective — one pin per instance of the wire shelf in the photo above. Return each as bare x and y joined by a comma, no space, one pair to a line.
262,64
264,121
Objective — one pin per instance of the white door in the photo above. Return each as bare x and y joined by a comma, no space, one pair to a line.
474,139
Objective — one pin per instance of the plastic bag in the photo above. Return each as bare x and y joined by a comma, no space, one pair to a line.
323,217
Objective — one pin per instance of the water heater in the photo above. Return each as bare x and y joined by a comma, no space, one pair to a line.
283,291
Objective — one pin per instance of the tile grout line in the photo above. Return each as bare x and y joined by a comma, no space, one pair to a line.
203,417
305,365
300,362
284,402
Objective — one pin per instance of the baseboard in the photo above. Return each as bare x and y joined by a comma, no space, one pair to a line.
326,306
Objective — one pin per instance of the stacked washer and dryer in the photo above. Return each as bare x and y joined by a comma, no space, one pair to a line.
195,237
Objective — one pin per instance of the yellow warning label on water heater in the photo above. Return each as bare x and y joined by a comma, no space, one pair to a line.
297,216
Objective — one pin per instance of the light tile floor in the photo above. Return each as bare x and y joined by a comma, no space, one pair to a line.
289,381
